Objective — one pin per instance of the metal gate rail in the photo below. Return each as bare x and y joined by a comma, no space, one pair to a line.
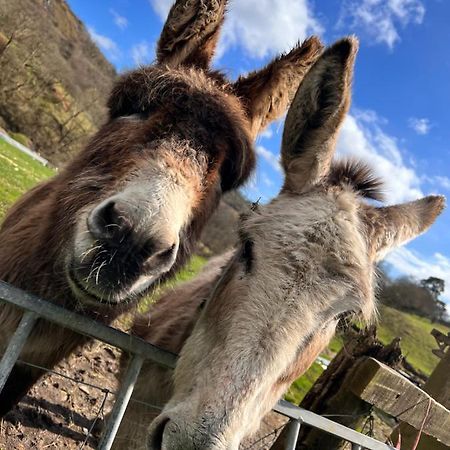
303,416
36,308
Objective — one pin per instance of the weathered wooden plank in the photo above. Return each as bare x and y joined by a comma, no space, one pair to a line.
440,337
331,396
383,387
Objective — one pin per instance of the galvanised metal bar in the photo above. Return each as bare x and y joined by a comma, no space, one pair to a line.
293,428
356,447
36,307
314,420
121,403
15,345
83,325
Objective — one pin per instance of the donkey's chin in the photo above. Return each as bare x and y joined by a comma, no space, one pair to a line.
95,295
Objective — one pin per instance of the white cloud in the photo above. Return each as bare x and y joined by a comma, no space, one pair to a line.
437,180
265,178
420,126
272,159
105,43
260,27
380,20
120,21
267,133
161,7
411,263
443,181
142,53
266,27
366,140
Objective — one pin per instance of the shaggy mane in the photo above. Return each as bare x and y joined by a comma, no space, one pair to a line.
359,176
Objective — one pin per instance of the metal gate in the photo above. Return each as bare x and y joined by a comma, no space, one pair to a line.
35,308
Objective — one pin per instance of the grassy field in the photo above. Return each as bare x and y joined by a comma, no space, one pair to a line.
19,173
416,342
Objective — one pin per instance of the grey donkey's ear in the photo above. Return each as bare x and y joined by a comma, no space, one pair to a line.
392,226
267,93
316,113
191,31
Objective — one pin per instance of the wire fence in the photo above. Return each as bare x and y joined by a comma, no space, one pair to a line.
140,350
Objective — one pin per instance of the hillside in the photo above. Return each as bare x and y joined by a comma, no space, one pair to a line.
417,342
54,80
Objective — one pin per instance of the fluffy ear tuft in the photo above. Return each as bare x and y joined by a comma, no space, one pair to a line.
358,176
267,93
314,118
393,226
191,31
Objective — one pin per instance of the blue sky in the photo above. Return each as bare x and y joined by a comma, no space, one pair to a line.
400,116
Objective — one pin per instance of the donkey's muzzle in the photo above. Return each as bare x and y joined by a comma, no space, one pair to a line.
168,434
125,255
115,224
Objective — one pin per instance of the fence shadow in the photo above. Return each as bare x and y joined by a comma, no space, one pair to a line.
37,413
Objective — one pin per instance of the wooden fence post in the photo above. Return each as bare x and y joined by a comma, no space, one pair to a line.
438,386
330,394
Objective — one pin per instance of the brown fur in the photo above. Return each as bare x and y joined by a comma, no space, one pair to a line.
191,34
264,105
177,119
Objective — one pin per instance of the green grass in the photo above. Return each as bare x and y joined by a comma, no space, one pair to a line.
414,331
302,385
18,173
189,271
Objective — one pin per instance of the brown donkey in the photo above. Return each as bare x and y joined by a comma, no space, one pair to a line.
125,213
256,318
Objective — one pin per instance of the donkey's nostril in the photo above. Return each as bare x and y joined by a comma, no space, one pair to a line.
156,435
168,253
108,221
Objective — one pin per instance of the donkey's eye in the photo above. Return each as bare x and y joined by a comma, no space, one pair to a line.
134,117
247,254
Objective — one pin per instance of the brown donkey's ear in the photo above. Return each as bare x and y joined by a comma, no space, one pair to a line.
392,226
268,92
191,31
317,111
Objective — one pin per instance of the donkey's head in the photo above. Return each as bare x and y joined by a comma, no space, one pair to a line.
304,260
178,135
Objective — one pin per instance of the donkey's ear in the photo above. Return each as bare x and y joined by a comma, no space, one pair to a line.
267,93
191,31
313,120
393,226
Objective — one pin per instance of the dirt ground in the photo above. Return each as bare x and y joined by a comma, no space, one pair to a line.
59,413
62,414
